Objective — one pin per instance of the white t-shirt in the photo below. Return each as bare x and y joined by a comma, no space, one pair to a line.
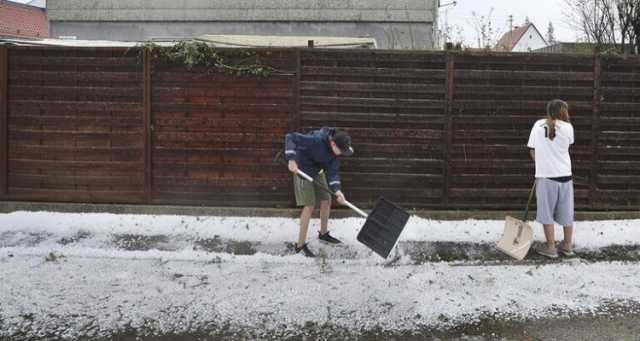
552,156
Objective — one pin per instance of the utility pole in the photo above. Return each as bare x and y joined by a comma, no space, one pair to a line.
510,29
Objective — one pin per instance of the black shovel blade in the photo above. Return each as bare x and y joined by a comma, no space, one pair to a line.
383,227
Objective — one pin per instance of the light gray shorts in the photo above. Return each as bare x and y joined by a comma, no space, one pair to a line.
555,202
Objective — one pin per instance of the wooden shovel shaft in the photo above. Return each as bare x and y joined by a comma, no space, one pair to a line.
526,213
350,205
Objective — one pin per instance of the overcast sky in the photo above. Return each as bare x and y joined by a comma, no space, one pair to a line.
540,12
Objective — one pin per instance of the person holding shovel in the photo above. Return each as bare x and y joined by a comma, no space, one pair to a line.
316,154
549,142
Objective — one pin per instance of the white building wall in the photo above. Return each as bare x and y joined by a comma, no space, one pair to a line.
530,41
397,24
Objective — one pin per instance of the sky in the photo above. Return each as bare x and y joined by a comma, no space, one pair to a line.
540,13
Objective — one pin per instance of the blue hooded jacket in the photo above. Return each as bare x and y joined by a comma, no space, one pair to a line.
313,153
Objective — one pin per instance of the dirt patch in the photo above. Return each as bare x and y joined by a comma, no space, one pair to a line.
75,238
132,242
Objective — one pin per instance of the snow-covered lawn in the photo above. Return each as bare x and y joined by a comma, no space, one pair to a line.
588,234
63,272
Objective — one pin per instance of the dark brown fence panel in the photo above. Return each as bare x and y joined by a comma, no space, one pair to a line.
215,135
497,99
393,105
430,129
618,181
75,125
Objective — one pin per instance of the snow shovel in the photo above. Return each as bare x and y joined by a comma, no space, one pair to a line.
383,226
518,235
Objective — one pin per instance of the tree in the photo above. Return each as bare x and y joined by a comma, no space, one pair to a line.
590,19
486,34
628,14
452,34
449,35
551,37
635,23
606,22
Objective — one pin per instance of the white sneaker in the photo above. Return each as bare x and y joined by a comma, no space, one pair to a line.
546,251
566,252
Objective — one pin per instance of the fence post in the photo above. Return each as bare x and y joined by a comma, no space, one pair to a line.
4,112
447,135
148,128
595,130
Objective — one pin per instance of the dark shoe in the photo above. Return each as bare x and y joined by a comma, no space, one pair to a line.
327,238
306,251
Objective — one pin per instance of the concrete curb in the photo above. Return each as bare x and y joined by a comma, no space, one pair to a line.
12,206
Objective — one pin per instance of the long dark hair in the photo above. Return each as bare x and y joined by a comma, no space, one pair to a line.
557,109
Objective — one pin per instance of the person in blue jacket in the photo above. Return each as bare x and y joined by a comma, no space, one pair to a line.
316,154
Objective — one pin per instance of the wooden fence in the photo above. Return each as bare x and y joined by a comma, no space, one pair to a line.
431,129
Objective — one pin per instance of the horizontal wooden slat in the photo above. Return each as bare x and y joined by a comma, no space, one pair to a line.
206,79
399,56
520,60
619,179
88,167
70,77
77,93
261,108
70,60
371,72
522,92
621,76
17,107
82,123
371,102
500,195
375,120
181,198
84,195
46,181
539,105
369,87
523,75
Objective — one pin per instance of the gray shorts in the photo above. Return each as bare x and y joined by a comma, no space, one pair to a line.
308,194
555,202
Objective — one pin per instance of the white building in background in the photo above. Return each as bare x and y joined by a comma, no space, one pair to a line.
397,24
521,39
38,3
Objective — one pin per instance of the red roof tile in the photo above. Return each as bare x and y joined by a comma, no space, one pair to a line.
511,38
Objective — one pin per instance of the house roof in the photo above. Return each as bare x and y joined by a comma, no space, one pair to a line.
213,40
510,39
72,42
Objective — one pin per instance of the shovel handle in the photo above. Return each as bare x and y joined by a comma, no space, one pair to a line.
526,213
350,205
